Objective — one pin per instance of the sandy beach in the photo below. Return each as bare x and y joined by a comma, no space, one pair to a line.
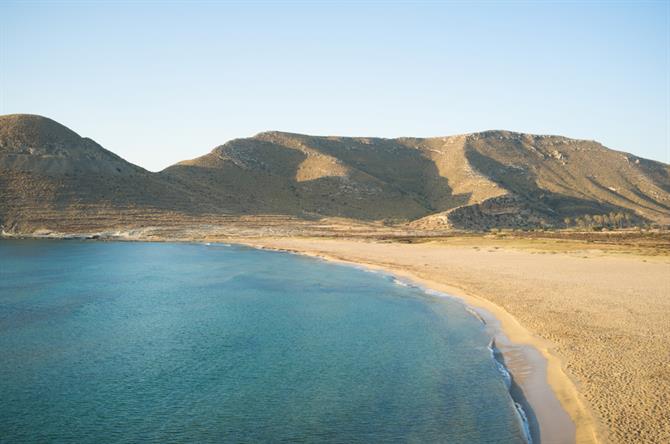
582,319
597,320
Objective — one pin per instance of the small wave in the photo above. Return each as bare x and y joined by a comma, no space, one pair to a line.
216,244
523,419
363,268
507,378
499,365
437,294
401,283
475,314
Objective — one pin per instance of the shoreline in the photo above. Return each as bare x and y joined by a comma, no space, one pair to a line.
538,380
516,344
523,409
578,300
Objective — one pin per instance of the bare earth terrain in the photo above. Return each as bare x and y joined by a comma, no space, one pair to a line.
605,309
50,176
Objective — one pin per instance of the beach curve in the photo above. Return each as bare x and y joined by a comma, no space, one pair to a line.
508,333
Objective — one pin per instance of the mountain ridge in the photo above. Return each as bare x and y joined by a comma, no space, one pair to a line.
481,180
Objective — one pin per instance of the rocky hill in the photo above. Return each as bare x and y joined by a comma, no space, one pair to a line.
51,176
482,180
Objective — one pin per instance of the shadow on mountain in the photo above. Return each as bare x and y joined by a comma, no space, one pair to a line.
387,181
527,204
50,176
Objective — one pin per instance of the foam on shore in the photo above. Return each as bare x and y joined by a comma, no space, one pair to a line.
496,355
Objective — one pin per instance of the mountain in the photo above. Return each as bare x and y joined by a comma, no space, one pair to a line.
50,176
481,180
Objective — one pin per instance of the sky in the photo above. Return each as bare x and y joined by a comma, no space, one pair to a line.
160,82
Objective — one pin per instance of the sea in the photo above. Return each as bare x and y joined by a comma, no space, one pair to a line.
127,342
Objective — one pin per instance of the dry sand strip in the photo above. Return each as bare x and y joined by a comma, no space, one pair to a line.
600,320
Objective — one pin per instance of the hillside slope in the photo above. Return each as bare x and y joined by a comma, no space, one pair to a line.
481,180
50,176
546,179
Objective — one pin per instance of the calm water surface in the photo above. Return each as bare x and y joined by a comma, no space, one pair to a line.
148,342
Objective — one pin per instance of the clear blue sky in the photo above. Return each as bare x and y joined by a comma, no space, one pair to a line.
158,82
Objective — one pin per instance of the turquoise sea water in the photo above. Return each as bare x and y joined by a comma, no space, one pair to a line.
150,342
